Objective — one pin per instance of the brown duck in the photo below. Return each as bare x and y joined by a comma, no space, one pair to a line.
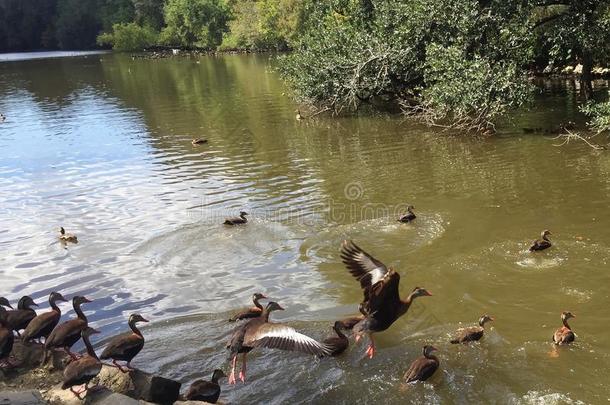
6,339
409,216
127,346
66,334
338,343
382,303
542,243
199,141
472,333
207,391
67,237
241,219
423,367
83,370
564,335
259,332
21,317
252,312
42,326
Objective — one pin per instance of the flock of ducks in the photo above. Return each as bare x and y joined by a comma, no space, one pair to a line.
381,306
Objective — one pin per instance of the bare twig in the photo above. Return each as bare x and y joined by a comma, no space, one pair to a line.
569,136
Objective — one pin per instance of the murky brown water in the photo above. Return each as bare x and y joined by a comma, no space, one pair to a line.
101,145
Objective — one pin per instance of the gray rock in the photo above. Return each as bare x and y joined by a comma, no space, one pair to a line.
32,397
140,385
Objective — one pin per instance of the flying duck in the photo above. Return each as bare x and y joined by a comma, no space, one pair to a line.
127,346
382,305
43,324
472,333
83,370
423,367
206,391
66,334
543,242
564,335
252,312
237,220
259,332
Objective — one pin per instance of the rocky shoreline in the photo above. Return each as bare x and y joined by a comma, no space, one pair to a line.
30,384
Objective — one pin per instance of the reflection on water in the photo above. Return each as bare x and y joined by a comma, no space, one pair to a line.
101,145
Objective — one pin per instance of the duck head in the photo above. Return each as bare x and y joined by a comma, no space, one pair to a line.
485,318
274,306
243,214
420,292
26,302
88,331
135,318
55,296
217,375
258,296
62,230
79,300
429,349
4,303
410,208
565,315
545,233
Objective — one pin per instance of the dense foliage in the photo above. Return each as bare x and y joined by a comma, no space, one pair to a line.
460,64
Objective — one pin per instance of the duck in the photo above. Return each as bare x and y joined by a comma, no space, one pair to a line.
423,367
409,216
127,346
2,117
43,324
7,339
206,391
252,312
66,334
472,333
67,237
382,304
237,220
298,117
199,141
542,243
339,342
259,332
21,317
351,321
564,335
83,370
5,303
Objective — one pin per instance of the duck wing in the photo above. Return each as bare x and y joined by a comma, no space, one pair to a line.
421,369
123,346
383,296
283,337
364,267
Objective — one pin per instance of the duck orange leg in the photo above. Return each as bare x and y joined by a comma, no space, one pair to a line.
242,373
232,375
370,351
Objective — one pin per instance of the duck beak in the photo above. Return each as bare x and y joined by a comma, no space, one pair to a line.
95,331
428,293
492,318
144,320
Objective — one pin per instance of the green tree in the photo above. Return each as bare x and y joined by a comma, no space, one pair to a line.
77,24
128,37
200,23
149,13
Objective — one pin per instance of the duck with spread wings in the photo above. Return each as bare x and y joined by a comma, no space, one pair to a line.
382,304
259,332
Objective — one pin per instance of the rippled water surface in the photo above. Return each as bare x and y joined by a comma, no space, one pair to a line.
102,145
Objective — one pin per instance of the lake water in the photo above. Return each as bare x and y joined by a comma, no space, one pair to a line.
101,144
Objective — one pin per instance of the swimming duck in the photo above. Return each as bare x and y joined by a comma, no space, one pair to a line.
83,370
298,117
338,343
2,117
472,333
252,312
423,367
543,243
66,334
6,339
199,141
409,216
238,220
207,391
259,332
382,304
67,237
564,335
21,317
127,346
43,324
